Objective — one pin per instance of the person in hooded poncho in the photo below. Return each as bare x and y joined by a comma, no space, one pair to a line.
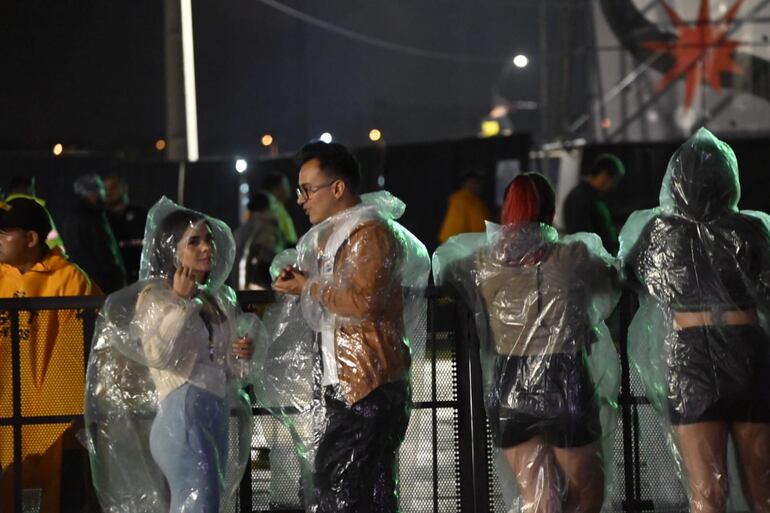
550,371
170,356
354,291
699,339
88,238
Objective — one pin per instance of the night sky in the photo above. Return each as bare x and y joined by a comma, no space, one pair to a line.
91,73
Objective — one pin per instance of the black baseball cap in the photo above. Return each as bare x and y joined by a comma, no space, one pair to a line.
27,214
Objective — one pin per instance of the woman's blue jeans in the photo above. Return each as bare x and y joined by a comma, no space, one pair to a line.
188,441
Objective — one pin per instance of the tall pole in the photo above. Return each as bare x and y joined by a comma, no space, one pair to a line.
190,101
545,104
181,104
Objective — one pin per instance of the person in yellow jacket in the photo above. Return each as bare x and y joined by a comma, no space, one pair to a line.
52,379
466,211
276,186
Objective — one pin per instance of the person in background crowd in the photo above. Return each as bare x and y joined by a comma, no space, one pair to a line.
51,348
88,237
466,211
585,209
277,186
257,241
127,221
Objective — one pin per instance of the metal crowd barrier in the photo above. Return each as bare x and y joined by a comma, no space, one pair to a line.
446,464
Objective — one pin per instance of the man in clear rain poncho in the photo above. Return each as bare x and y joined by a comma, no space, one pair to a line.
170,356
550,370
699,340
337,369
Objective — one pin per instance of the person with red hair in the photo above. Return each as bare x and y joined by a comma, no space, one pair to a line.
550,370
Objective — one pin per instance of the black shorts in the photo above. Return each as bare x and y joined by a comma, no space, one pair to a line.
719,373
551,396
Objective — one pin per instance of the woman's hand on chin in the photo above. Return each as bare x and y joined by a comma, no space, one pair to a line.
185,284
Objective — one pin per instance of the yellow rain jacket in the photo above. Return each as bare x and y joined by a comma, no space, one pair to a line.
52,372
466,213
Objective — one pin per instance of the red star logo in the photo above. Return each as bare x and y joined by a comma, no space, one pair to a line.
702,51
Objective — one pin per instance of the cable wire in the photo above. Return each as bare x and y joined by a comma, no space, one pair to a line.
380,43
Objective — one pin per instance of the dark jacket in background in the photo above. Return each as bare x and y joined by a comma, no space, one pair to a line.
257,241
90,243
586,211
128,227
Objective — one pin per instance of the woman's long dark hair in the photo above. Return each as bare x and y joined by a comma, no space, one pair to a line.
171,230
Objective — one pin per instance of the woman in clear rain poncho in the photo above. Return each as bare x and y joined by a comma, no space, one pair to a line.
551,372
345,335
699,340
170,356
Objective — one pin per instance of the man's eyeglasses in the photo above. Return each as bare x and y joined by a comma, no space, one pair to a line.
305,191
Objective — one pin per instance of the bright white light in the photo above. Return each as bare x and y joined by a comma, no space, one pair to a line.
326,137
188,60
58,149
241,165
520,61
244,188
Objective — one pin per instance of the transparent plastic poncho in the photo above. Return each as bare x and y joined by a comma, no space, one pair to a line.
551,373
699,339
168,426
355,329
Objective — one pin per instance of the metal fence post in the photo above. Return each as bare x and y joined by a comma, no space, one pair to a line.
473,462
16,386
244,489
431,338
629,405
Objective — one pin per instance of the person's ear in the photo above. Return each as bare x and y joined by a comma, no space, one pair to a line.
338,189
31,238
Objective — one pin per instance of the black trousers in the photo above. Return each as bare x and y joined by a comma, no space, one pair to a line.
355,467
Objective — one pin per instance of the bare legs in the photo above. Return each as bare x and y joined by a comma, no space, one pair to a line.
752,443
584,475
704,453
538,469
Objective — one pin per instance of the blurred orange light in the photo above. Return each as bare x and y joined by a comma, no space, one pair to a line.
267,140
606,123
375,135
58,149
160,144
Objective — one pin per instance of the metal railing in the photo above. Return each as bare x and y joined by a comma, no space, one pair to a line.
446,462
